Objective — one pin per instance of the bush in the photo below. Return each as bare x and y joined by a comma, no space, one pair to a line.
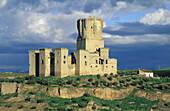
78,79
166,87
111,74
82,105
110,78
160,86
75,84
29,77
40,100
31,81
96,83
115,83
33,107
116,75
61,108
109,84
67,102
32,93
54,100
8,105
27,99
134,77
145,79
21,107
46,109
105,75
134,83
140,82
121,84
98,76
128,79
70,81
122,81
127,84
87,84
74,100
93,107
142,86
90,79
86,94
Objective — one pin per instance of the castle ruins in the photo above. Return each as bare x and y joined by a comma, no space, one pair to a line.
90,58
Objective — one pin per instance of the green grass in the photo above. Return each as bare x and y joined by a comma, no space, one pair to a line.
12,74
162,72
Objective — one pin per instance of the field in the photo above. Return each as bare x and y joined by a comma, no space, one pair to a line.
35,97
162,72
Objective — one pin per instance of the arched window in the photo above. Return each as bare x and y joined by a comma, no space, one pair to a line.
64,57
64,62
106,62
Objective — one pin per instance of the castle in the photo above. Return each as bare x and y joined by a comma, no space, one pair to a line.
90,57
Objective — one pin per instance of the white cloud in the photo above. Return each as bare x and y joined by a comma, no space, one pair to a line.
146,38
161,17
3,3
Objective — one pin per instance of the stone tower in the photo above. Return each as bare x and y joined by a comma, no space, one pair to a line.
90,34
61,62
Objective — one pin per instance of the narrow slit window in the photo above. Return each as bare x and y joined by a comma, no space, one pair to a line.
64,57
64,62
106,62
85,63
96,61
42,61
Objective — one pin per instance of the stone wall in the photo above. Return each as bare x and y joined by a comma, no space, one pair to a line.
7,88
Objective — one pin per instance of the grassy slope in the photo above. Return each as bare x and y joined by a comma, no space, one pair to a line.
162,72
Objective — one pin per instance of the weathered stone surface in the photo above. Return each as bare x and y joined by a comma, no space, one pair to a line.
153,95
103,93
7,88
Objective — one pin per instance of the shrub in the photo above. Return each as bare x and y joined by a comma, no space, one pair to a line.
127,84
86,94
96,83
74,100
111,74
105,75
75,84
27,99
90,79
122,81
115,83
46,109
98,76
33,107
93,107
20,107
61,108
110,78
166,87
134,77
70,81
67,102
31,81
54,100
121,84
160,86
8,105
104,104
148,87
142,86
134,83
109,84
87,84
32,93
82,105
78,79
116,75
140,82
128,79
29,77
145,79
104,83
40,100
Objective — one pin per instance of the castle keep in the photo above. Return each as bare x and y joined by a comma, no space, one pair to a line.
90,57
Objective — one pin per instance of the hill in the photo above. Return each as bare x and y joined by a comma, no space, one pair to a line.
162,72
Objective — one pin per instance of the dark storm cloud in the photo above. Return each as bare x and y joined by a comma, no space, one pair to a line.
137,28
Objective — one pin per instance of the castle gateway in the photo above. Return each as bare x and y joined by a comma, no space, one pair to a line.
90,58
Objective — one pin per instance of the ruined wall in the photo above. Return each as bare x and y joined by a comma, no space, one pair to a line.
44,62
61,62
33,62
7,88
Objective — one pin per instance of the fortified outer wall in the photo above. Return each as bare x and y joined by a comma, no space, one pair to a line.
7,88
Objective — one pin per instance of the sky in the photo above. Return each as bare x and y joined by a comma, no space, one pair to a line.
136,31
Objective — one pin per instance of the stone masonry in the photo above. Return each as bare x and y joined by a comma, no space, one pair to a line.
7,88
91,57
